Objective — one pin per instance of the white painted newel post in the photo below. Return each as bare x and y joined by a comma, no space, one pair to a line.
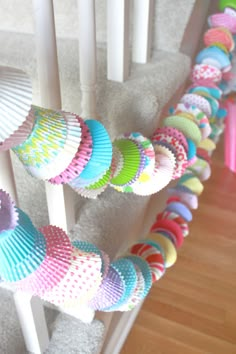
87,58
142,30
118,40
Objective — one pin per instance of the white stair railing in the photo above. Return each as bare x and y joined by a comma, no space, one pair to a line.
87,58
143,11
59,200
118,40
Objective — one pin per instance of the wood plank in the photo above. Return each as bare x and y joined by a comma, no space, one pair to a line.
192,308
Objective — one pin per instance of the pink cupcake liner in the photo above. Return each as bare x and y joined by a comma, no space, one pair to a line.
206,72
225,20
81,281
219,35
80,159
55,264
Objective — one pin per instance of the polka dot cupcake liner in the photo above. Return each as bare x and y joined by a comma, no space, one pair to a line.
80,159
81,281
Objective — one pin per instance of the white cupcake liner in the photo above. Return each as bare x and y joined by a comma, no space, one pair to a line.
20,135
16,99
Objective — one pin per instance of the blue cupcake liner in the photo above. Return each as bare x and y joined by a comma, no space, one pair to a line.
213,53
180,209
101,157
192,149
146,272
21,250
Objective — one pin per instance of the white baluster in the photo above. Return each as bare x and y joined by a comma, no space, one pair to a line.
117,40
87,57
142,30
30,310
59,199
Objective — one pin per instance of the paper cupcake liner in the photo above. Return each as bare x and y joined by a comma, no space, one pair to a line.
191,182
205,72
46,140
137,295
54,266
198,101
109,292
8,213
223,20
20,135
170,227
128,188
146,272
66,154
22,250
81,281
201,117
90,194
211,89
91,248
185,195
129,277
131,162
187,127
147,151
16,99
167,246
164,169
219,35
80,159
101,157
180,209
214,55
118,161
175,217
179,152
152,256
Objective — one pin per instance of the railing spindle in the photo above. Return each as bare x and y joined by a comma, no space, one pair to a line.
117,40
60,206
142,30
87,57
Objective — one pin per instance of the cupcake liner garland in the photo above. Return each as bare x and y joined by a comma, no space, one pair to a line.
62,147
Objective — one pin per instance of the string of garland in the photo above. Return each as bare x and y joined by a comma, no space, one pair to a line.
62,147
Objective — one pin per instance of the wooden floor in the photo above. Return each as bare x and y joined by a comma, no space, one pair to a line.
192,310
